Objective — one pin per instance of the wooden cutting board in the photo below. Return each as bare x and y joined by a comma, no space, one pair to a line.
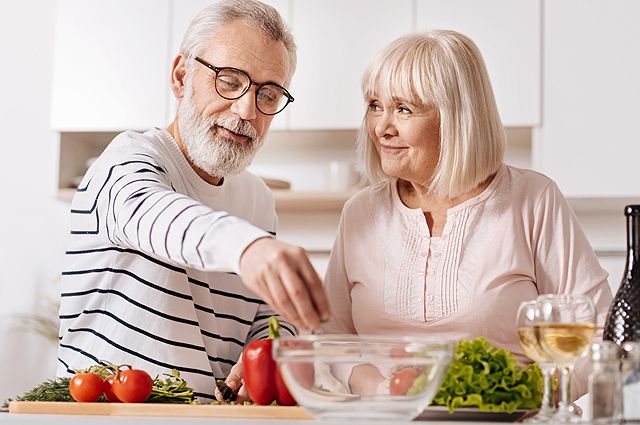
153,409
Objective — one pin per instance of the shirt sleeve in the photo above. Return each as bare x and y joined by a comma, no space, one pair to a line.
338,287
136,205
566,264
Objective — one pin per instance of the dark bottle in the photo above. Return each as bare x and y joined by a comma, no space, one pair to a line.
623,320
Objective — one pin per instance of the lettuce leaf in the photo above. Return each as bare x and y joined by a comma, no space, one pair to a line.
489,378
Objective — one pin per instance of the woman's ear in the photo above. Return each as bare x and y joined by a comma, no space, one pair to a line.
178,75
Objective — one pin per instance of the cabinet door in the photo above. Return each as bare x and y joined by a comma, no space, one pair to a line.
508,35
336,40
589,139
110,65
182,12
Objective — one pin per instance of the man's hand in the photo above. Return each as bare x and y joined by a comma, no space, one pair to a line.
283,277
235,382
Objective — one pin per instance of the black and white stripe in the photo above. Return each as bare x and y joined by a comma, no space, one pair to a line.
150,274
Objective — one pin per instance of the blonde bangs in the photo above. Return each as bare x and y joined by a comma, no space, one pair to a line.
397,72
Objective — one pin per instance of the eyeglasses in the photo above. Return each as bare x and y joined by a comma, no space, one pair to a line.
232,83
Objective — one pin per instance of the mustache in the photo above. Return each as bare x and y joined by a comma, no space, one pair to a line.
236,125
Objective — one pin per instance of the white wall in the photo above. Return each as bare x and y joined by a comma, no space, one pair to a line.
32,223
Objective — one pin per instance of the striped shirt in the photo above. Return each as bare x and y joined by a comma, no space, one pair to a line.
151,273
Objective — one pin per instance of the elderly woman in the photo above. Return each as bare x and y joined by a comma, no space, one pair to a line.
448,240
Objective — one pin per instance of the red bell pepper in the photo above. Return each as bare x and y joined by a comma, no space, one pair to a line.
261,375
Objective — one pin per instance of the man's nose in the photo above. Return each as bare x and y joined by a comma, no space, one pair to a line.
245,106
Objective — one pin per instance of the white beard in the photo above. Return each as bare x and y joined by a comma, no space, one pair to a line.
215,155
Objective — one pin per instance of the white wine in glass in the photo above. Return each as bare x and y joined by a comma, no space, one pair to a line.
565,342
565,329
525,320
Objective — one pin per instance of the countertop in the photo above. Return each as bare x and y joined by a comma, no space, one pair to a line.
23,419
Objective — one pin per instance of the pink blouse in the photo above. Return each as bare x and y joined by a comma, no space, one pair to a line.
517,239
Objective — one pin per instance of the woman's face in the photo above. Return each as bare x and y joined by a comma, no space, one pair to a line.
407,137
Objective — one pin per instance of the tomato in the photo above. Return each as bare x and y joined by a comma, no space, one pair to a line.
132,386
85,387
402,380
108,390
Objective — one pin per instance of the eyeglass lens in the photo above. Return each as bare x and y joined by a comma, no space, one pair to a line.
233,83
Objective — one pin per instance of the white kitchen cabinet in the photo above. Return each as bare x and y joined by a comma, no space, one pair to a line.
336,40
182,12
589,141
508,34
110,65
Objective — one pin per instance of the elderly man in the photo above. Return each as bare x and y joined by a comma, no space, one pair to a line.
171,249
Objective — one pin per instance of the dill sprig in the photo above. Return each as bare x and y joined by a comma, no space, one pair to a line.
51,390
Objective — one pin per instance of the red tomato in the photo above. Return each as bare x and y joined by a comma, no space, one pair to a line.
402,380
108,391
132,386
85,387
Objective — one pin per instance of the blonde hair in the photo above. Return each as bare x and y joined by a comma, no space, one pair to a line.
443,69
213,17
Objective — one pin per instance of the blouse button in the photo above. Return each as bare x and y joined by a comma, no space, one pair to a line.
420,274
420,299
431,273
430,298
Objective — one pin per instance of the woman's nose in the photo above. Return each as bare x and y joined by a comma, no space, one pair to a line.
385,125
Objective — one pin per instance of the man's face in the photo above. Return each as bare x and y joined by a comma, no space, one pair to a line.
222,136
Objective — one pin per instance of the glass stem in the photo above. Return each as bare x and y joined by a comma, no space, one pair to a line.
565,409
548,406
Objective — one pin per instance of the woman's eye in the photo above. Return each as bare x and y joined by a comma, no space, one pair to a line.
404,110
374,107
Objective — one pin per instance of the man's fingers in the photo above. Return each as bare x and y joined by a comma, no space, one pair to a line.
281,302
242,395
318,294
299,295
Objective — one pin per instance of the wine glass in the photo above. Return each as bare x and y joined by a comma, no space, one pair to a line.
565,329
528,314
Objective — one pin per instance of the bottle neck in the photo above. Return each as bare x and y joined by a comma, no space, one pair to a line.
633,243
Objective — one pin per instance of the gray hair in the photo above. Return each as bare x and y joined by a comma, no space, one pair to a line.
443,69
213,17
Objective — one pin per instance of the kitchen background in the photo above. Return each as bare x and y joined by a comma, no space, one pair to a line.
76,72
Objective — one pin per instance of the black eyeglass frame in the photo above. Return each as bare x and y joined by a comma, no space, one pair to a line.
217,70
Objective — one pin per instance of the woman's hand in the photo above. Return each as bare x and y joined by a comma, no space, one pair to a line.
236,383
365,379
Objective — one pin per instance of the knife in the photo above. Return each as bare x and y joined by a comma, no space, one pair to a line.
226,391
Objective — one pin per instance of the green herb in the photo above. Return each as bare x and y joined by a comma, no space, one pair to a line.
51,390
172,389
489,378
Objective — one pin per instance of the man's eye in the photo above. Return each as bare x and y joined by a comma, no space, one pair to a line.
229,83
268,97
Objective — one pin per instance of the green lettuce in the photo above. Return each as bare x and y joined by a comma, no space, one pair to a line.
489,378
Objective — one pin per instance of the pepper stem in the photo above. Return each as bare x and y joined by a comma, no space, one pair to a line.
274,327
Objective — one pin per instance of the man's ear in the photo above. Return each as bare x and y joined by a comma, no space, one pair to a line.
178,75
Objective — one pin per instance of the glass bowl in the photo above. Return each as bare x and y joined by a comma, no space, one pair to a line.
363,377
